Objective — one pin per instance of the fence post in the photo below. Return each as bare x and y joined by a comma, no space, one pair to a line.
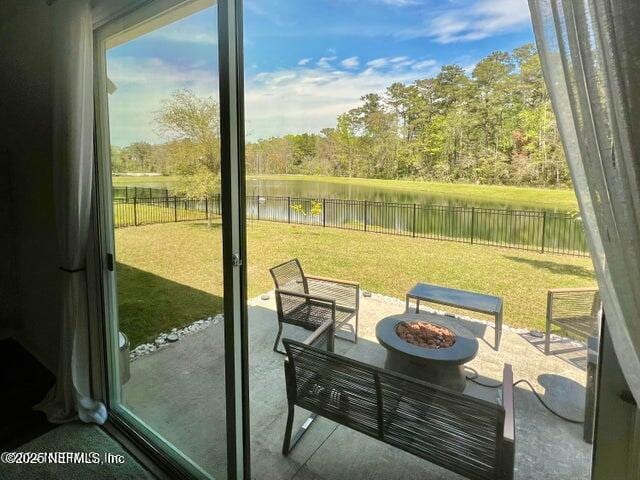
366,208
544,227
473,223
324,212
166,197
414,220
175,208
135,192
206,207
288,209
135,212
150,194
258,201
126,194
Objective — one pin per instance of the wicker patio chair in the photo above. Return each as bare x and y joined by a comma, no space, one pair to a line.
575,310
308,301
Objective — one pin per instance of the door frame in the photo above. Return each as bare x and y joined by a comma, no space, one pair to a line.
230,51
232,138
616,444
231,100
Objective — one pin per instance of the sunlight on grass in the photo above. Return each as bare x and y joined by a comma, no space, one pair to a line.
157,181
173,272
128,214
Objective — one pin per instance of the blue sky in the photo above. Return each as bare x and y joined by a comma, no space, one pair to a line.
307,61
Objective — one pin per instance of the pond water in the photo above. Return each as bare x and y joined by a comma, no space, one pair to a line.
285,187
320,189
395,211
392,210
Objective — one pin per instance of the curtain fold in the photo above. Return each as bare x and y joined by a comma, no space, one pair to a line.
73,126
590,52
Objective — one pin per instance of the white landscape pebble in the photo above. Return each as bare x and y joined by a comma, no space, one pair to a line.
161,340
199,325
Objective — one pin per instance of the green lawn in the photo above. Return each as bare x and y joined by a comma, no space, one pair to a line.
171,274
128,214
159,181
561,198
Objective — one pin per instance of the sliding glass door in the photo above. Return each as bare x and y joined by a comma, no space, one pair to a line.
169,186
325,97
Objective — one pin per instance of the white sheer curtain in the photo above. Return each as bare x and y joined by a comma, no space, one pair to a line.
72,93
590,52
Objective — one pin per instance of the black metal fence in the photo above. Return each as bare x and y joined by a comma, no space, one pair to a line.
147,211
522,229
127,193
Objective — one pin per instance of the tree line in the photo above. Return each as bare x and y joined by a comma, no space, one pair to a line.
492,125
191,126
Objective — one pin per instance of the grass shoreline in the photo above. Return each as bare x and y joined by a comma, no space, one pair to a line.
533,197
562,198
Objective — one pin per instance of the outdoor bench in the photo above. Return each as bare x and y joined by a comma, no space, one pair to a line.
461,433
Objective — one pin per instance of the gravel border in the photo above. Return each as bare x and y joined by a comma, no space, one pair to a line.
165,339
174,335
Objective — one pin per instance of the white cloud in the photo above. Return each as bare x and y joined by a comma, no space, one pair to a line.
424,64
187,33
397,63
325,62
141,87
476,20
304,61
401,62
203,38
300,99
309,99
351,62
378,63
154,72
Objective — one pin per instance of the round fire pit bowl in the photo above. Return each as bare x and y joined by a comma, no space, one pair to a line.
442,366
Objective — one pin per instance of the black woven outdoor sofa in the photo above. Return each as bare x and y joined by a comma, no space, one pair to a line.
308,301
463,434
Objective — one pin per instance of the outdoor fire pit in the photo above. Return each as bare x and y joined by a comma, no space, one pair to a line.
425,334
430,347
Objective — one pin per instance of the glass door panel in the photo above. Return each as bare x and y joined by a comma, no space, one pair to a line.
159,73
358,115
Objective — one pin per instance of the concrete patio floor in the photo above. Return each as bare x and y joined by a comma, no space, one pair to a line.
179,392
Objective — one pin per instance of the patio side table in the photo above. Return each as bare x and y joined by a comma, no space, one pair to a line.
476,302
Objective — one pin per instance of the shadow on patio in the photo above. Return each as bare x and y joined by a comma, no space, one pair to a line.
546,447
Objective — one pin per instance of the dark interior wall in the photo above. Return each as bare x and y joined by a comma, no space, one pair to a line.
617,441
8,292
25,133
